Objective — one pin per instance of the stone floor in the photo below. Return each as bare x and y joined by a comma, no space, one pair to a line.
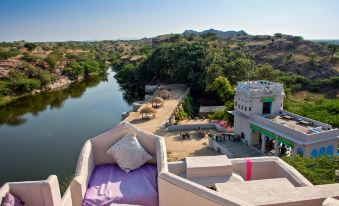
239,149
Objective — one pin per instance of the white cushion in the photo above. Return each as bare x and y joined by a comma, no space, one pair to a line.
129,153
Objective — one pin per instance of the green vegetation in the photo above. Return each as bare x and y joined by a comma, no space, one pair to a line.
75,70
317,170
37,68
30,46
30,58
212,68
333,49
8,54
53,59
219,115
278,35
297,38
314,106
195,63
296,83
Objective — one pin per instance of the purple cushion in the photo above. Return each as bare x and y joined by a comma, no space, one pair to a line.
10,200
110,184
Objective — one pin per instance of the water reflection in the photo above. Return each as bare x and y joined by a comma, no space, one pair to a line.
12,114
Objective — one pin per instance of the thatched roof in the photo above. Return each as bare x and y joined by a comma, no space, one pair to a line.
158,100
147,110
163,93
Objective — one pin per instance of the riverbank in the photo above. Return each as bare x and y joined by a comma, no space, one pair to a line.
31,68
59,84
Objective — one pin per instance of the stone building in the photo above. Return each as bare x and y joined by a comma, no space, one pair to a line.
260,121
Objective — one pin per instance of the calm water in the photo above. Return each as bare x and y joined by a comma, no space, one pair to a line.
43,134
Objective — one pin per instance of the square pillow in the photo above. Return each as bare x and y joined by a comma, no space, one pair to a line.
10,200
129,153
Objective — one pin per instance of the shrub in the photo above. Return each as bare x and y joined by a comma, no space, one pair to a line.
73,70
53,59
90,66
313,59
8,54
297,38
4,88
278,35
219,115
30,58
30,46
22,84
317,170
315,107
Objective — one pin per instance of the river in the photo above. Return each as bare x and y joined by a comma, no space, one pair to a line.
43,134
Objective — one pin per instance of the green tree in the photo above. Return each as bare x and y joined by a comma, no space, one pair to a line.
278,35
333,49
223,88
30,46
73,71
297,38
264,72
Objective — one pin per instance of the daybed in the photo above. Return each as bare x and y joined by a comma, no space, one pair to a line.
99,181
34,193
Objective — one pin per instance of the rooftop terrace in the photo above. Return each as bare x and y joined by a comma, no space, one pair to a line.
260,87
299,123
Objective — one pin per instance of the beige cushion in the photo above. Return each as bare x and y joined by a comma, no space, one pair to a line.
128,153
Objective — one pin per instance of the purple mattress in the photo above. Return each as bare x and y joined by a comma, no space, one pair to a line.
109,184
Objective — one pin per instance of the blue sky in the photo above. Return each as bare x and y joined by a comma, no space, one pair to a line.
62,20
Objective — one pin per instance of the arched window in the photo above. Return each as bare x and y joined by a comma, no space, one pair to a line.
330,150
314,153
300,151
322,151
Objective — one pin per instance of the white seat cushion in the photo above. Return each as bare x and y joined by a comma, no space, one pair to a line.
129,153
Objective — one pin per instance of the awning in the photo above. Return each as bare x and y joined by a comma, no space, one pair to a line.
267,133
286,141
267,99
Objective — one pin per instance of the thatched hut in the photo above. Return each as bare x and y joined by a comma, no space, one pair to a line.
147,112
164,94
157,102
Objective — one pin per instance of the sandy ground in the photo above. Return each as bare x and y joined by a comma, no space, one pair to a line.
178,149
162,115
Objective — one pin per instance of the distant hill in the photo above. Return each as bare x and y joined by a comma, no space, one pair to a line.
327,41
218,33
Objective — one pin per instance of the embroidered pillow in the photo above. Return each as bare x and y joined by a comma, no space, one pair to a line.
129,153
10,200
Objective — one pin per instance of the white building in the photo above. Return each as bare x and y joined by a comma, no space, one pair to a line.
259,119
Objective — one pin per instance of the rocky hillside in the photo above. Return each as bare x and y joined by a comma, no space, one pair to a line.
33,67
28,67
284,52
289,54
218,33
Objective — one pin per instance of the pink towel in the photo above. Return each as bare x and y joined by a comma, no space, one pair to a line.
248,169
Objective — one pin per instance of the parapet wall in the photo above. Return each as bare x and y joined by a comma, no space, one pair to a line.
196,127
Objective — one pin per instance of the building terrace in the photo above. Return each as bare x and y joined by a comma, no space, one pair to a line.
259,119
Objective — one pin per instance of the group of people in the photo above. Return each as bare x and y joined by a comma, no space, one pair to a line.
185,135
270,146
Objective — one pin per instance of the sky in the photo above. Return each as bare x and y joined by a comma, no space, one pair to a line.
64,20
